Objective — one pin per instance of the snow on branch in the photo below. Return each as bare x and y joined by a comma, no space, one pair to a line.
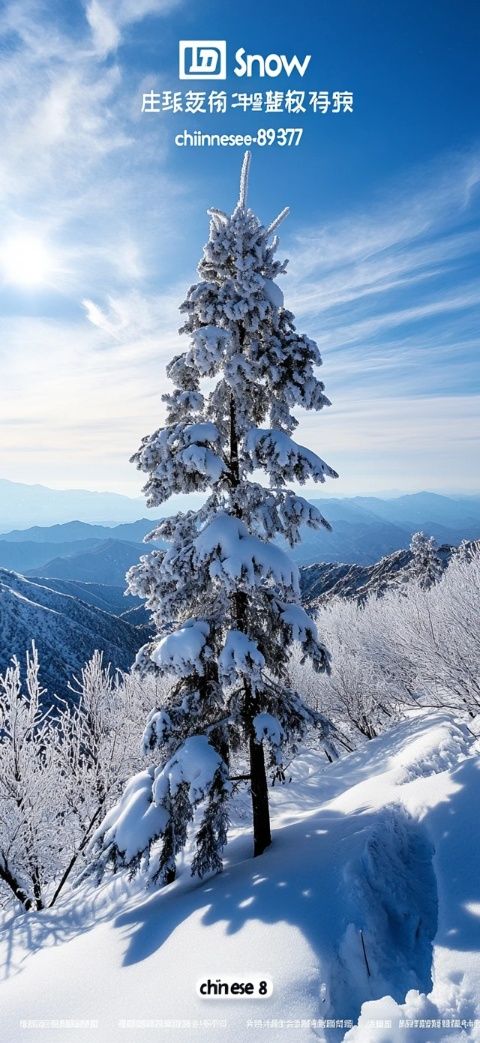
283,458
237,558
195,764
277,221
268,728
296,510
183,652
218,216
180,457
144,812
239,658
299,627
209,344
132,824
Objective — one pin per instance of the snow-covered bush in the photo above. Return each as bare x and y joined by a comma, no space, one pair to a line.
359,695
61,767
416,644
233,594
31,806
436,632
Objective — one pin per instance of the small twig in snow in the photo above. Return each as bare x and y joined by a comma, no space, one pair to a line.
365,953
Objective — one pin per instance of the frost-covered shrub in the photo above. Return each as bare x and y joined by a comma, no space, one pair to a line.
60,769
436,632
415,645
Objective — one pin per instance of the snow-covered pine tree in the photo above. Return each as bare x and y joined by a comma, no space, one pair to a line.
231,591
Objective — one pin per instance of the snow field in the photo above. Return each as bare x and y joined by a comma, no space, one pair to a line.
374,843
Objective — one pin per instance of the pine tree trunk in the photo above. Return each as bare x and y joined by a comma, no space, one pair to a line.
258,777
261,814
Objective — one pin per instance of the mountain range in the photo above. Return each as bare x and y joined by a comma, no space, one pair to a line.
325,580
24,505
69,620
364,529
62,585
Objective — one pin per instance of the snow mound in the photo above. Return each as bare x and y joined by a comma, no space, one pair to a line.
445,746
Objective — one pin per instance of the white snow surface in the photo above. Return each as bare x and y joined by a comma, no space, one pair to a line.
383,844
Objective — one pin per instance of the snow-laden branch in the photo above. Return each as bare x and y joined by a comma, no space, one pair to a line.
238,559
283,458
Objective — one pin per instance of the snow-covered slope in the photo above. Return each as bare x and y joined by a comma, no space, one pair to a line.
109,598
369,894
66,630
326,580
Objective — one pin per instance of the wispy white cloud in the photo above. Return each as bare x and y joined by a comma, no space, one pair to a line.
388,291
71,169
134,315
108,18
84,408
427,202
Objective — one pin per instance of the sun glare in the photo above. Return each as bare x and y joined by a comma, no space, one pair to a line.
25,261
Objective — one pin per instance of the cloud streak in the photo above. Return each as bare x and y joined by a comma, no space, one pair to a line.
388,291
75,163
109,18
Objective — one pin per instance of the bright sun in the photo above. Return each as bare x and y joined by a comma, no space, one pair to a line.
25,261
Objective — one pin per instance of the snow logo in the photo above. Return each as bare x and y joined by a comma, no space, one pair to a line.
202,60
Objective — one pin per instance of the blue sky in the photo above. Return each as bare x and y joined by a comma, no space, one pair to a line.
383,236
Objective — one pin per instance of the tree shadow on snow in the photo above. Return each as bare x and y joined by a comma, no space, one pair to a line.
361,888
23,934
300,881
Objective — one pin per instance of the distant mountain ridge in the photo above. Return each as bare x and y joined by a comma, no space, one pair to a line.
364,529
108,562
66,631
77,531
84,555
325,580
23,505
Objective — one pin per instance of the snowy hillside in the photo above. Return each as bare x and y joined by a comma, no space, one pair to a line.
66,630
366,906
325,580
